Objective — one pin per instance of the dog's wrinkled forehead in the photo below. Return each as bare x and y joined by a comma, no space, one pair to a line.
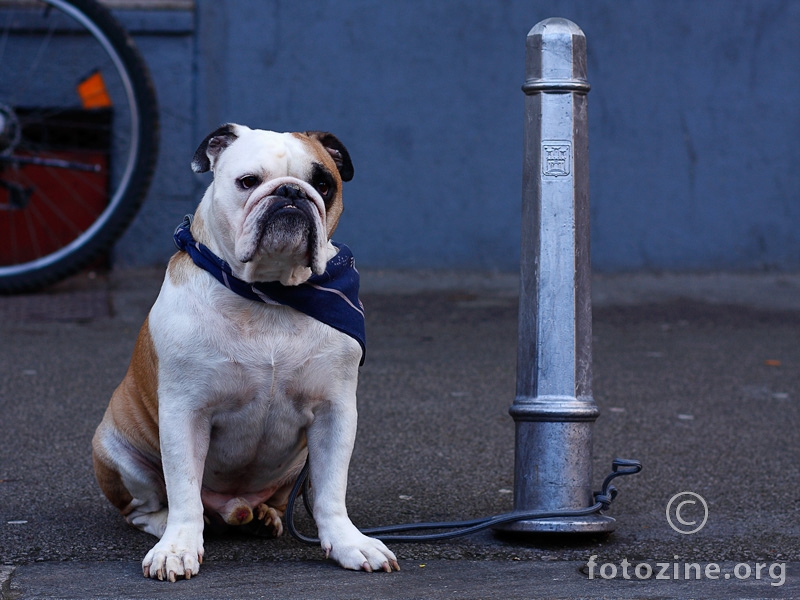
272,154
266,153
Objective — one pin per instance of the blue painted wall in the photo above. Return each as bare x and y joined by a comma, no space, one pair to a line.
694,123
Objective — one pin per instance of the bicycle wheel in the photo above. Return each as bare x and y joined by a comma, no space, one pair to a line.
78,137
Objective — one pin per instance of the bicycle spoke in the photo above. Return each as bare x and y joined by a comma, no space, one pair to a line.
29,216
56,208
36,61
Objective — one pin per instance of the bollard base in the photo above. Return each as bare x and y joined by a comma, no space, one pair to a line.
587,524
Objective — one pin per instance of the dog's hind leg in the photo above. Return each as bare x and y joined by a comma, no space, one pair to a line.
269,520
130,483
148,520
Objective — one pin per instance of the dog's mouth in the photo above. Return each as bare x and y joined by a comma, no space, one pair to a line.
285,222
287,219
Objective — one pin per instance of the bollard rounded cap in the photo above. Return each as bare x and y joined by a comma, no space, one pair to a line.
556,58
556,26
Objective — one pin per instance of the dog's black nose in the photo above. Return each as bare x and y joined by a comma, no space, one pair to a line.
290,192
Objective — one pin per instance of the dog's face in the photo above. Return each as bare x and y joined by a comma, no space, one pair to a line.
275,200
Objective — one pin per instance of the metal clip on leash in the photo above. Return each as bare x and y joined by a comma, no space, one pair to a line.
603,500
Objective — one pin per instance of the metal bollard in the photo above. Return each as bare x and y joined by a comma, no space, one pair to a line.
554,410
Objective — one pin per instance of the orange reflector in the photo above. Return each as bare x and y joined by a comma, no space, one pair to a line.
92,91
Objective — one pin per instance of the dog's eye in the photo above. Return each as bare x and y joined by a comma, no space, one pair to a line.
323,188
249,181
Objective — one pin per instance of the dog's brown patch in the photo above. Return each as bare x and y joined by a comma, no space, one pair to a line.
110,480
179,267
134,404
134,410
316,149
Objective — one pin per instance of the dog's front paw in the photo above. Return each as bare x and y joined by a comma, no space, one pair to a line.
174,557
356,551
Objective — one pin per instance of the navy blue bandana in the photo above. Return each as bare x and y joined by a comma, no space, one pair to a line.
331,298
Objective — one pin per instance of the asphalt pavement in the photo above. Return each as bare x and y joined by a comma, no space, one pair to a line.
697,376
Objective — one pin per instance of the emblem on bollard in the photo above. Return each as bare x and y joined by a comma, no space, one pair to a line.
556,158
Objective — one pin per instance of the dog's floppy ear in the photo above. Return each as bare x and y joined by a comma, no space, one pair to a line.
337,151
212,147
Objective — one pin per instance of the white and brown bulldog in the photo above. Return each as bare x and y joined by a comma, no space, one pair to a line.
226,394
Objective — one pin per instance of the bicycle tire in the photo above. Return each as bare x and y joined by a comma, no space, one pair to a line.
139,161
